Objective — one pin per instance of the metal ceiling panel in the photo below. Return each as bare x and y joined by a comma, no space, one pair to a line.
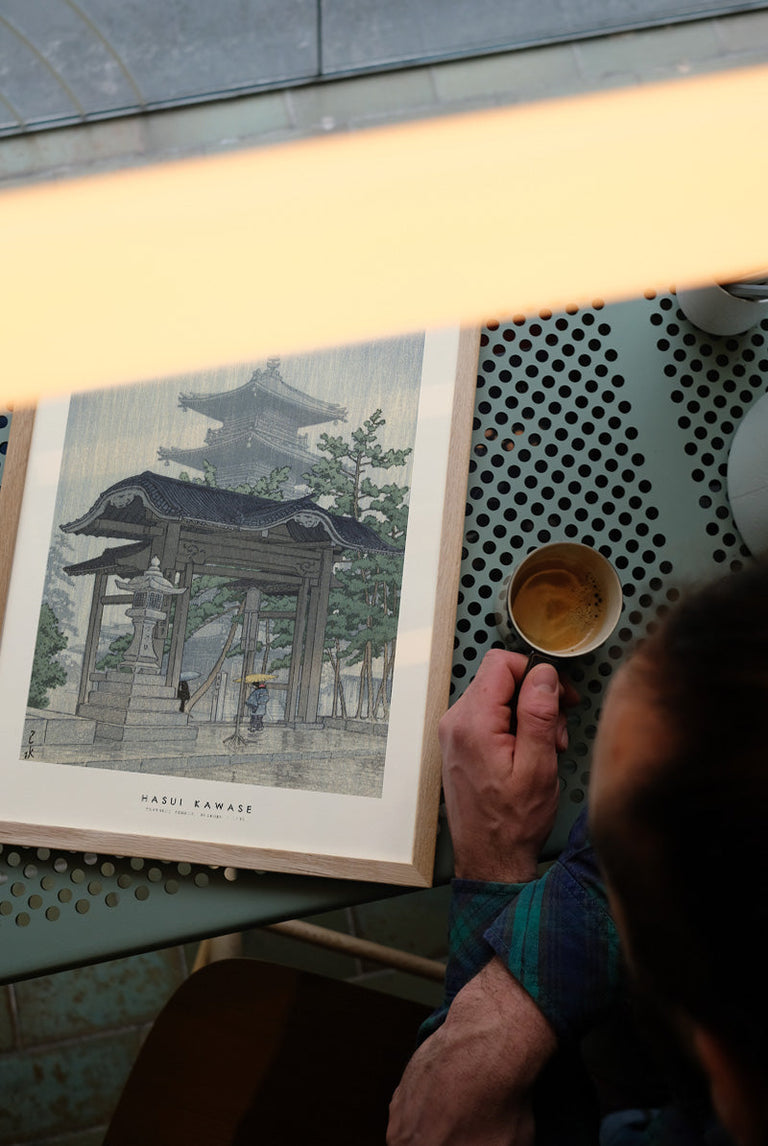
82,74
71,60
30,89
371,34
183,48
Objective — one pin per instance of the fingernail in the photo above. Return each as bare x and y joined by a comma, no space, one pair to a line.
545,678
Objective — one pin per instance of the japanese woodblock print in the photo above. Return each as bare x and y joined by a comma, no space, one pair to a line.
220,608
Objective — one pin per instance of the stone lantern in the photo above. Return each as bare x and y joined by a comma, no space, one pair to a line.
136,710
146,611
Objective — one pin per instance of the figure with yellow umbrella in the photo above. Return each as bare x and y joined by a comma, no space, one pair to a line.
257,700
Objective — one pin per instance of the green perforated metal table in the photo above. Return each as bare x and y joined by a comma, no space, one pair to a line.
608,425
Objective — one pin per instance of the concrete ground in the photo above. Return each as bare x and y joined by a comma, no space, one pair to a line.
313,758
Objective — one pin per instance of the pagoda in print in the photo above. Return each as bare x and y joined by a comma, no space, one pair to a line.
259,429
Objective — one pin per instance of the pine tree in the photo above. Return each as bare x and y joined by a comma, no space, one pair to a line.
364,604
47,673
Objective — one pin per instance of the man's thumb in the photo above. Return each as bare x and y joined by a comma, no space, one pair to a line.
538,705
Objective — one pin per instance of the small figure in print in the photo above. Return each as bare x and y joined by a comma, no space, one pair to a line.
183,694
256,703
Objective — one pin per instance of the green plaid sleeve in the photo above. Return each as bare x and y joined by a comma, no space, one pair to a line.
555,935
558,939
474,907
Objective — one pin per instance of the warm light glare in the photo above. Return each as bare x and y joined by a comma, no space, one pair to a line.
181,266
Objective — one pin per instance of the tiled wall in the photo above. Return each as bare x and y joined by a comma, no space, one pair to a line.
67,1043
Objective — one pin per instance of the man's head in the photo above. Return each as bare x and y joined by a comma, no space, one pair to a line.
679,810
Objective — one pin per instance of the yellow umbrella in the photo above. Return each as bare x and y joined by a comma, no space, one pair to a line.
255,677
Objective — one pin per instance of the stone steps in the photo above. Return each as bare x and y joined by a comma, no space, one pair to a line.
144,733
115,714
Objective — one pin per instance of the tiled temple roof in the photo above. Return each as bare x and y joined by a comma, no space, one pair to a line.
170,499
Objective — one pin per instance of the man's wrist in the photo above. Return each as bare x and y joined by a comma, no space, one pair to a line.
521,868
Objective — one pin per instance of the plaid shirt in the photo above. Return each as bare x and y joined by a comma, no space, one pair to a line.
555,935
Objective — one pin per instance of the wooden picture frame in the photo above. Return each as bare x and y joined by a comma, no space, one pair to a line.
138,723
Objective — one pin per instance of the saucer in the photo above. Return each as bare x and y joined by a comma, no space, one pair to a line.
748,477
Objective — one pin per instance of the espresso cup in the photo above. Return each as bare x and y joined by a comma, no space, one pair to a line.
564,599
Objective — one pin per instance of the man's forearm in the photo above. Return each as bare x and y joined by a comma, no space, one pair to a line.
495,1007
469,1083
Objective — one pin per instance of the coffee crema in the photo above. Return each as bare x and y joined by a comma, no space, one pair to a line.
558,609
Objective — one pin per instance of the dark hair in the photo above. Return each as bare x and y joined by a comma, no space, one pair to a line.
687,852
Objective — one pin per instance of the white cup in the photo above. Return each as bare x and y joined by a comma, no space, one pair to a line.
564,599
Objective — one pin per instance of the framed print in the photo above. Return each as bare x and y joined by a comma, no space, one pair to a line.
230,611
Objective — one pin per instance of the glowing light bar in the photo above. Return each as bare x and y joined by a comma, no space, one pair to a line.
169,268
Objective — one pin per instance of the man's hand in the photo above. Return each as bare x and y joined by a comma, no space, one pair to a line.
501,790
469,1083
